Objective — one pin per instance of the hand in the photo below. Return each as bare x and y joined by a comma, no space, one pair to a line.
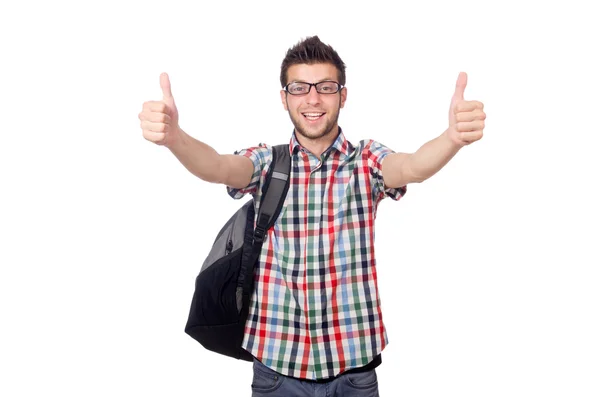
160,119
466,118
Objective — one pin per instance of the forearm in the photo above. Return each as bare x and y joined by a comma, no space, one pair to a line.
198,157
431,157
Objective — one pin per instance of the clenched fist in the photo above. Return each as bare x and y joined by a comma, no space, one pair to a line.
160,119
466,118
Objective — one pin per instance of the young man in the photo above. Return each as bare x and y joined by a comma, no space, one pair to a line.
315,324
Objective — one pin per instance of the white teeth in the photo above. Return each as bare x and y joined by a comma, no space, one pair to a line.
313,115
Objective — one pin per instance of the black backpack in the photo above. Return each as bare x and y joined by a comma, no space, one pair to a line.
224,285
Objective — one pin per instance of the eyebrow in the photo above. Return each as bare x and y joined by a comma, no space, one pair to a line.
320,81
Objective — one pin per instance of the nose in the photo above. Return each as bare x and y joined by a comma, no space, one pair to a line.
313,97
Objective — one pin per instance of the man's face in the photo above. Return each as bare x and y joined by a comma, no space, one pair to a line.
314,115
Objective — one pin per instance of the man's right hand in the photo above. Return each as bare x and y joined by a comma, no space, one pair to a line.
160,119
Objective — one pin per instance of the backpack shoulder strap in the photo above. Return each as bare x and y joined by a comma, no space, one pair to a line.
278,182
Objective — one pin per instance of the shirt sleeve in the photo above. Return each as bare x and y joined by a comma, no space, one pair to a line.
260,156
376,153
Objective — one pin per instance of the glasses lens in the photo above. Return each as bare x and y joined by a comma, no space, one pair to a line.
327,87
298,88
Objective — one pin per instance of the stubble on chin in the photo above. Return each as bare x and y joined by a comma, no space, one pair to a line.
328,129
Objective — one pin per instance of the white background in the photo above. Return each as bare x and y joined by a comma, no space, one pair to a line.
489,271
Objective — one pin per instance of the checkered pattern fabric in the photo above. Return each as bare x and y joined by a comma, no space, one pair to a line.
315,310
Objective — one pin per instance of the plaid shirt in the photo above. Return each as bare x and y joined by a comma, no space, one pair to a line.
315,310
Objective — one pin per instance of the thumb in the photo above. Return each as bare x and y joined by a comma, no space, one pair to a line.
165,85
461,84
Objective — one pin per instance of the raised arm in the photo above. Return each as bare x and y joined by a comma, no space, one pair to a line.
160,125
466,124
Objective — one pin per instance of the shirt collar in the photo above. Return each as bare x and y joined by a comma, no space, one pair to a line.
340,144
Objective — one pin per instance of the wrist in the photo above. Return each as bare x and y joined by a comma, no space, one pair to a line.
451,137
176,139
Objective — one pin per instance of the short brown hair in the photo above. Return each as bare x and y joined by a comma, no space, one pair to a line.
310,51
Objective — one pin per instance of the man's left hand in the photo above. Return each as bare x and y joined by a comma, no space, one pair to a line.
466,118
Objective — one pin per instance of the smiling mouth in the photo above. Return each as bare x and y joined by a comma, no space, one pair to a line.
313,116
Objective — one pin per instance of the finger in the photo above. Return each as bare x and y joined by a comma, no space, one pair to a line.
476,114
165,85
155,137
470,126
155,127
155,117
156,106
461,84
471,136
467,106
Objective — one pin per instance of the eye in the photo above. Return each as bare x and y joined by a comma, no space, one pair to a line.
297,88
328,87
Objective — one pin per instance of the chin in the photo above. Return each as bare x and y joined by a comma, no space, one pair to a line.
316,133
312,134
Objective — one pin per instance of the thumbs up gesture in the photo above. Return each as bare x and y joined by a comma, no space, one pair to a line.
159,119
466,118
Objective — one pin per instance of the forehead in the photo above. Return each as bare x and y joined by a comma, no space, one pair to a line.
312,73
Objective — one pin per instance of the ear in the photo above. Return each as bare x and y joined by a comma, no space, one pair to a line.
284,99
343,95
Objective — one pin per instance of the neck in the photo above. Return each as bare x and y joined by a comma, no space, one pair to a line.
318,145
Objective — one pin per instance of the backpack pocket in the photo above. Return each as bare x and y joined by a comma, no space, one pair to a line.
215,293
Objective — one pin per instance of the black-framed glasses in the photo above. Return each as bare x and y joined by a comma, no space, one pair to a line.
322,87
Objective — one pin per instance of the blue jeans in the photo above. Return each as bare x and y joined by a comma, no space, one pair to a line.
268,383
